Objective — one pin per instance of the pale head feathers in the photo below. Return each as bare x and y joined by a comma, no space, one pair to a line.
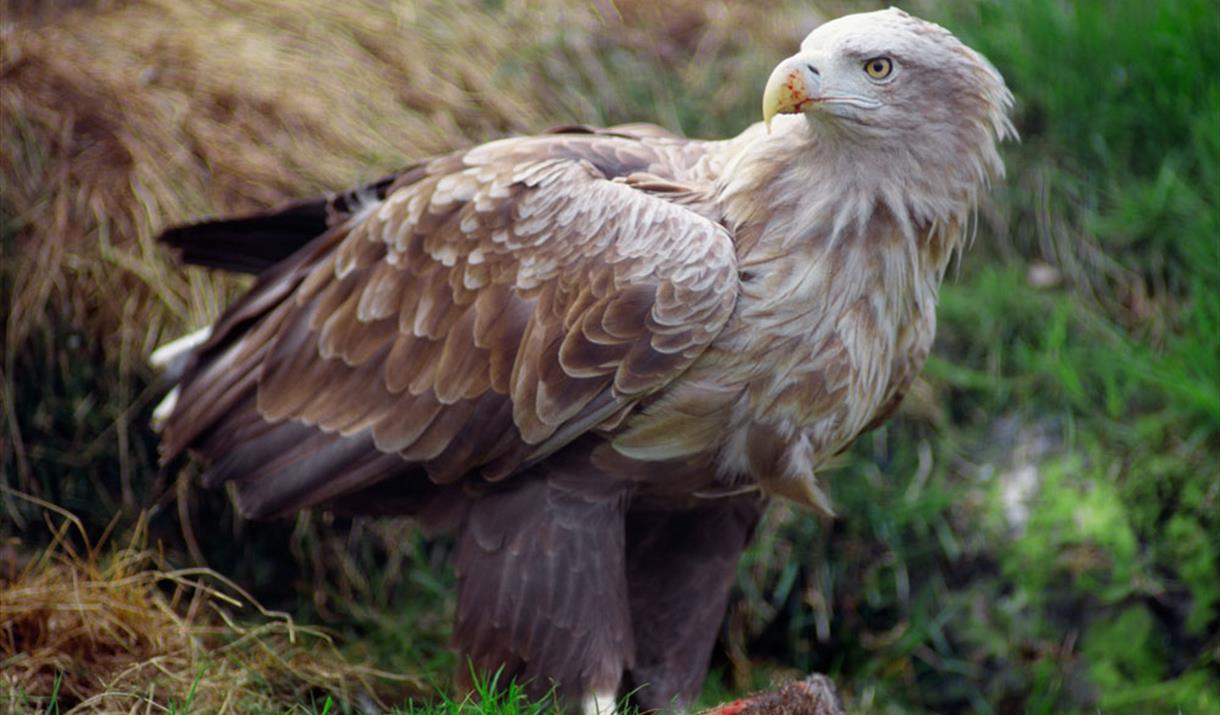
920,141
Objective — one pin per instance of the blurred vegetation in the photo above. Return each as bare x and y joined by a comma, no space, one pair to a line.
1037,531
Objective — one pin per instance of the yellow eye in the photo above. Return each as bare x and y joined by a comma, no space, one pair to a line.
879,67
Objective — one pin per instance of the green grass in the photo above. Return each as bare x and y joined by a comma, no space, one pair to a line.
1038,530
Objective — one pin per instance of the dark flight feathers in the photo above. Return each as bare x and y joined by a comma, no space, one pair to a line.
252,244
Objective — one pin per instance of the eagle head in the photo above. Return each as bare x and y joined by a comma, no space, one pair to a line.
889,72
911,107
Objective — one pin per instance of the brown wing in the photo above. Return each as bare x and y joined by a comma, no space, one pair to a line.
492,308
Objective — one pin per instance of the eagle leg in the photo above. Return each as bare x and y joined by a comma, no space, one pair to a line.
680,568
542,592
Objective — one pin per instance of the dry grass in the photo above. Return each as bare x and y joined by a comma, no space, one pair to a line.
106,629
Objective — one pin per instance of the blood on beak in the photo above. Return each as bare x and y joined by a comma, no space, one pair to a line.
793,84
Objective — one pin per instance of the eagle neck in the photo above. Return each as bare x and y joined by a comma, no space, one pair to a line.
827,266
805,188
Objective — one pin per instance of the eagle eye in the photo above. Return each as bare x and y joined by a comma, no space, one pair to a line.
879,67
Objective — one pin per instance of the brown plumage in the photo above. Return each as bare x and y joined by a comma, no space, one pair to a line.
592,352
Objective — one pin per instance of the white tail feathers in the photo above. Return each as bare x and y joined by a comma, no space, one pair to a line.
171,356
171,359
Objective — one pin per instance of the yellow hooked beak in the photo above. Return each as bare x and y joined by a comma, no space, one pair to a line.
792,86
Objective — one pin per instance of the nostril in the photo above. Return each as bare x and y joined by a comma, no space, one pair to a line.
813,69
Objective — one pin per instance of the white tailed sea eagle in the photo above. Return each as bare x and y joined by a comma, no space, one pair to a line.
594,353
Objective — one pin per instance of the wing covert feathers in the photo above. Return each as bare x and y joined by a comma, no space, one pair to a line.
493,307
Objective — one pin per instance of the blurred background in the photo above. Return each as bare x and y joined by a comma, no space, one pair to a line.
1037,531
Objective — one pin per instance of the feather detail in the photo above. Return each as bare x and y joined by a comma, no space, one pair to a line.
485,310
